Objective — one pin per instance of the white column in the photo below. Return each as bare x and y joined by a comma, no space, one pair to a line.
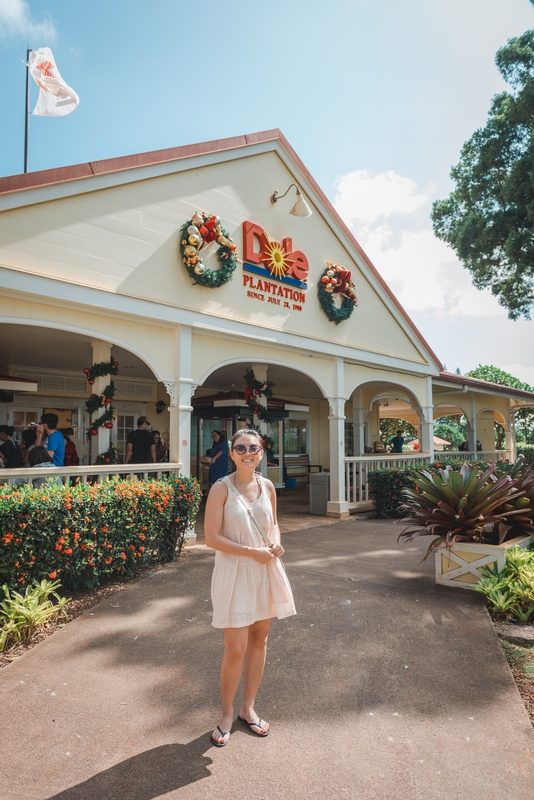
359,415
100,442
180,391
426,429
337,506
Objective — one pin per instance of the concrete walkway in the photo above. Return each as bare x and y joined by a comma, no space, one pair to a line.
384,686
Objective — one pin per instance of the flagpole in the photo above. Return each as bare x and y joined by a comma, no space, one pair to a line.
27,115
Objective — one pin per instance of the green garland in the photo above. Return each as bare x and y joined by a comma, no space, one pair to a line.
109,457
195,234
334,280
102,400
99,370
254,390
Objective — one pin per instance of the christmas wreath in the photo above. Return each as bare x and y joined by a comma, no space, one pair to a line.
199,231
255,389
103,400
337,280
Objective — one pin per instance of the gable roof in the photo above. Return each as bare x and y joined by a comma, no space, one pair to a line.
16,184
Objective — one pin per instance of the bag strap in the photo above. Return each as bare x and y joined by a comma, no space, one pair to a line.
250,512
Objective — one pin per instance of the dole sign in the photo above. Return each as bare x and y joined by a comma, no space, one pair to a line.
276,273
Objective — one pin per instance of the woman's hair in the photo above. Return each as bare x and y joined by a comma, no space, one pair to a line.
220,434
28,437
247,432
38,455
156,432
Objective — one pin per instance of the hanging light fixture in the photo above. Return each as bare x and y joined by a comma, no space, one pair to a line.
160,407
301,208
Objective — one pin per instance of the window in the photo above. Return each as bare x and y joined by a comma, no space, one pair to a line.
349,438
295,437
125,425
21,421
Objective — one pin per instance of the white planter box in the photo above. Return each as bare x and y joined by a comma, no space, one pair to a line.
459,567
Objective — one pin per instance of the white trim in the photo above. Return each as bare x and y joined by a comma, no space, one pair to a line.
50,291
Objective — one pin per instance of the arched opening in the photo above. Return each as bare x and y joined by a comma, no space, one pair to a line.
451,428
53,361
296,431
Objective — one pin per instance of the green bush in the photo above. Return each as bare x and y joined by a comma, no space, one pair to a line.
386,485
527,451
81,534
22,615
510,592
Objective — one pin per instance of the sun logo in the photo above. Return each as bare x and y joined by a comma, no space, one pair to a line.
276,260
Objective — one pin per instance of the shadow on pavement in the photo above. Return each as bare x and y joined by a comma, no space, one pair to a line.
148,775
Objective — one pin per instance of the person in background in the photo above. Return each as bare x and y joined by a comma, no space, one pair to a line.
49,437
81,449
9,451
140,447
27,443
40,457
397,442
71,455
162,448
220,459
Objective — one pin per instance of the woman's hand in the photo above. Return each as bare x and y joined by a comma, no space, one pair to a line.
261,554
277,550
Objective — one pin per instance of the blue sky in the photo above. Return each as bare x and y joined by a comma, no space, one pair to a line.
376,98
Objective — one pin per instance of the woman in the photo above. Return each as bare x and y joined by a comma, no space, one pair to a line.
161,447
249,585
39,457
27,443
219,457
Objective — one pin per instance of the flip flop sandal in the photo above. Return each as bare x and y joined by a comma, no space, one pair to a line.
223,734
252,725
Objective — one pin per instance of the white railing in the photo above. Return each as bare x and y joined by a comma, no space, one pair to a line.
357,468
480,455
94,472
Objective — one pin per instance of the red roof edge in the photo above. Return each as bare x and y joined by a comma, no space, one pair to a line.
453,377
16,183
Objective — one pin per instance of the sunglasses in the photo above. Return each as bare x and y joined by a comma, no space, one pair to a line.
241,449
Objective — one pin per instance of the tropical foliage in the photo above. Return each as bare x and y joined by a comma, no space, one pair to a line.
510,592
23,614
83,534
524,417
459,505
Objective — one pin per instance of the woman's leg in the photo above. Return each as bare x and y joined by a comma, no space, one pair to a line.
235,646
254,664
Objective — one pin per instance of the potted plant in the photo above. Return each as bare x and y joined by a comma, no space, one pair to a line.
473,516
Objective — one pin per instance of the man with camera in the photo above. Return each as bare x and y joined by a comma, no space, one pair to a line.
51,439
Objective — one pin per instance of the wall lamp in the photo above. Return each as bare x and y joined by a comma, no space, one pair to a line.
160,407
301,208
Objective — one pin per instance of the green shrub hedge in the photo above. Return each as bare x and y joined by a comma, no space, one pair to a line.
84,533
386,485
527,451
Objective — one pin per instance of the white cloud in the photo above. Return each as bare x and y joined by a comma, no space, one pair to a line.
16,20
364,197
421,270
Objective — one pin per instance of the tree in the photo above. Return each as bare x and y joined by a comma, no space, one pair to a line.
524,417
488,219
452,428
390,426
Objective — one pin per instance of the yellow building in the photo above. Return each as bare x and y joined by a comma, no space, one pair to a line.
91,267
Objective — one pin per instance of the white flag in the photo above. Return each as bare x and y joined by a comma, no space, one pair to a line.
56,99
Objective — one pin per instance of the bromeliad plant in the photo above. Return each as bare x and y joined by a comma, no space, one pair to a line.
518,512
458,505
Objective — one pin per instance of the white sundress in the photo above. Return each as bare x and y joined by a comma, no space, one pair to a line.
244,591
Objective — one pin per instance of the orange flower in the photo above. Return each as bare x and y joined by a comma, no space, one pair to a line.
58,546
142,537
123,556
131,546
68,551
141,549
7,538
52,575
68,505
104,529
76,536
108,560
